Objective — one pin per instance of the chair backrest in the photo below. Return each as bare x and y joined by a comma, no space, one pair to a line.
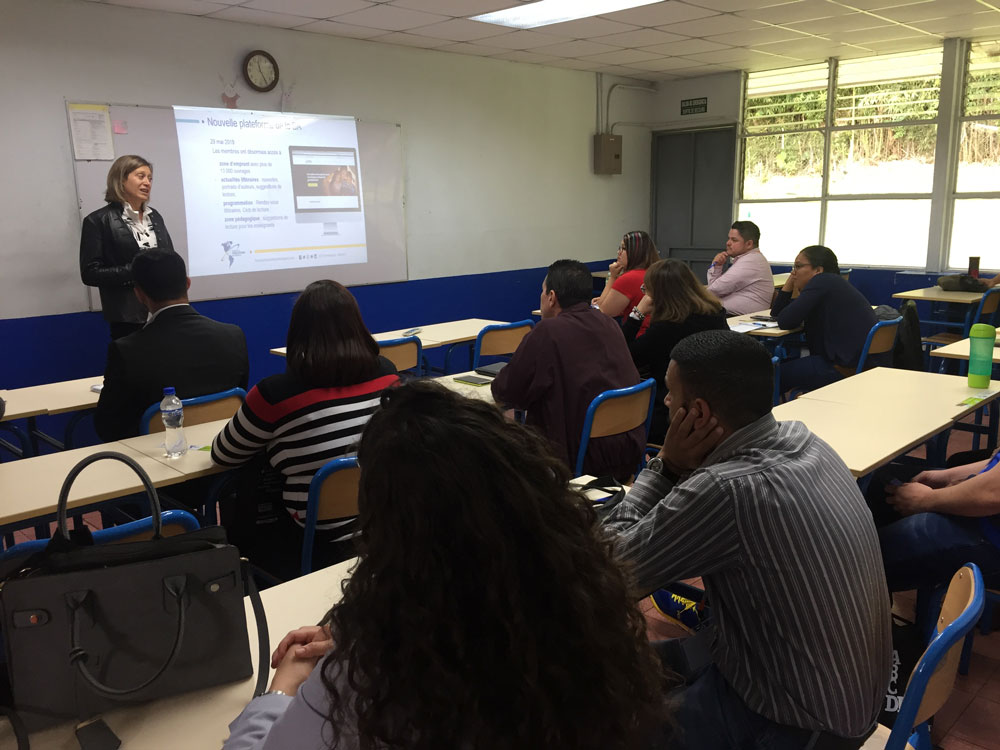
845,273
881,339
502,338
197,410
333,494
174,522
933,677
617,411
988,306
406,353
776,390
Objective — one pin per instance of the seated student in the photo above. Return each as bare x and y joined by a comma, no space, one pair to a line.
572,355
745,285
636,253
836,317
772,520
485,611
310,414
937,521
677,306
177,347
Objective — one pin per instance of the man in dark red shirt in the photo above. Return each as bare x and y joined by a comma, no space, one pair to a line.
571,356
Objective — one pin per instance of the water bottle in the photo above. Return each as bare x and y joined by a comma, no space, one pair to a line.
172,413
981,340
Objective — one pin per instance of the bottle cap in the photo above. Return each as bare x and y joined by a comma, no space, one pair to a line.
168,391
981,330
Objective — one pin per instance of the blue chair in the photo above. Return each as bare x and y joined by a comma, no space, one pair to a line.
776,390
881,339
334,491
617,411
989,305
932,679
174,522
197,410
501,339
407,353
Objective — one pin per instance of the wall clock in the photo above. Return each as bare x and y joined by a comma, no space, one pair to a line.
260,71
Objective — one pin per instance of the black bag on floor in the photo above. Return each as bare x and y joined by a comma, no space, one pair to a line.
89,628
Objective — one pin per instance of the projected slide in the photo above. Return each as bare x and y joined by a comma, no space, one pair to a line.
269,191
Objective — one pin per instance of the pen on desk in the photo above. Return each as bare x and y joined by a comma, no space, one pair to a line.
412,332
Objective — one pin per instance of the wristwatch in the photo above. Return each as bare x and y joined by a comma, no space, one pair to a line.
655,464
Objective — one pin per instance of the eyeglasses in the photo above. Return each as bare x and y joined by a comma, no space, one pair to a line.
642,288
797,266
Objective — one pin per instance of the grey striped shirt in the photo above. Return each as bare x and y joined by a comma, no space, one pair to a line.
777,528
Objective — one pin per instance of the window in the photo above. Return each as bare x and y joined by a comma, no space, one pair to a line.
977,187
845,167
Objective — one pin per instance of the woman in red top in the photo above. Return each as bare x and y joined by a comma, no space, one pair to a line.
622,291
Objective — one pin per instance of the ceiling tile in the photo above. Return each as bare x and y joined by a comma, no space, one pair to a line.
812,47
928,11
702,70
524,56
639,38
622,57
879,4
802,10
390,18
620,70
585,28
881,34
309,8
522,39
571,64
666,63
659,14
967,24
685,47
340,29
190,7
459,30
850,22
721,24
737,55
730,6
575,49
761,35
259,17
456,8
466,48
410,40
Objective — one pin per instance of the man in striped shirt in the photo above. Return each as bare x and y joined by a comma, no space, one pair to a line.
771,519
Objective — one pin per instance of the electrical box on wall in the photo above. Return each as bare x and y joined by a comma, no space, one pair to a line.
607,154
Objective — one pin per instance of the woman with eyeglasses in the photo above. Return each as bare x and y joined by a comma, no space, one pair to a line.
836,318
636,253
674,305
486,609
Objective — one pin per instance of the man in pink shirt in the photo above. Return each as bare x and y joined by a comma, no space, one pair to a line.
745,285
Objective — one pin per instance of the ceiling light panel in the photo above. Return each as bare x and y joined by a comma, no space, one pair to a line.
545,12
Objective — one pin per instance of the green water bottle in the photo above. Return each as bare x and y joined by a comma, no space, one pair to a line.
981,340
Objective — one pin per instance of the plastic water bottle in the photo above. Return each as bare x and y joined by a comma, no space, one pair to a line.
172,413
981,340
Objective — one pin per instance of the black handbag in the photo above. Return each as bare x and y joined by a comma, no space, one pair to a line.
88,628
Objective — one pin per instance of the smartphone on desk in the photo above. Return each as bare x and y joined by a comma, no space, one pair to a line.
473,380
768,318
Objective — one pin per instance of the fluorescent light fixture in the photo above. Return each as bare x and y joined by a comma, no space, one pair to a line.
545,12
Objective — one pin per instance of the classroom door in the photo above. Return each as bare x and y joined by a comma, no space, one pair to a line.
693,181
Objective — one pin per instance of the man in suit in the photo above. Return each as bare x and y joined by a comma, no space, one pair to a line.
177,347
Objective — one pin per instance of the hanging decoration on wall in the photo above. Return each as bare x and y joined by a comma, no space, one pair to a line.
229,93
286,97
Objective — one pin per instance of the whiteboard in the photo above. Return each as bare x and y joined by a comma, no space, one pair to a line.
151,133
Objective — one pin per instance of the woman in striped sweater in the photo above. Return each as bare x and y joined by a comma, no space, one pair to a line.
310,414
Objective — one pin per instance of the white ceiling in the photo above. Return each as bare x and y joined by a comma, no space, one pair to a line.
663,41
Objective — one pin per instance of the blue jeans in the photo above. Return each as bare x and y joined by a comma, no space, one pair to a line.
807,373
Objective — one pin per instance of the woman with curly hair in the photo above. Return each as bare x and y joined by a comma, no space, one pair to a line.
485,611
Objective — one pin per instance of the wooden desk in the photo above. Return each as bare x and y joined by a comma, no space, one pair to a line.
960,350
780,279
51,398
434,334
30,487
937,294
863,437
201,719
600,274
194,463
768,333
478,392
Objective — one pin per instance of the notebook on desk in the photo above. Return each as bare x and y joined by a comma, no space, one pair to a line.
491,370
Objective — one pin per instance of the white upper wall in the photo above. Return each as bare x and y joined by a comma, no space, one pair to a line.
497,155
723,92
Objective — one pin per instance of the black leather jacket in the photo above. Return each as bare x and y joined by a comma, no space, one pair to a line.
107,248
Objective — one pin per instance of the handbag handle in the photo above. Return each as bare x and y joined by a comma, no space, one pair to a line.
154,500
175,586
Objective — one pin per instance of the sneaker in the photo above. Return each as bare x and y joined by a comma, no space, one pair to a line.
677,609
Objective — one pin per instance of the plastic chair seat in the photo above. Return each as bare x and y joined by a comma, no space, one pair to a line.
879,738
941,339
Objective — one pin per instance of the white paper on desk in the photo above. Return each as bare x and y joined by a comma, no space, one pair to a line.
90,130
744,327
